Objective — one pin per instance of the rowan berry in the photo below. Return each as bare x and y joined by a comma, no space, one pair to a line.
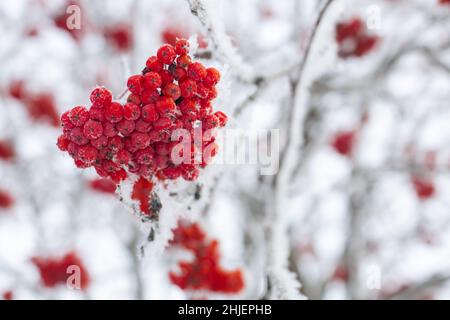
196,71
78,116
135,83
101,97
166,54
114,112
131,111
149,113
152,80
92,129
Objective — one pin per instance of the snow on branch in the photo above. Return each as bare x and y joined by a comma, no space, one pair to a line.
207,14
282,283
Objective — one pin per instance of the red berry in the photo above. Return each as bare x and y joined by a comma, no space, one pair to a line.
172,90
135,83
179,73
87,154
101,97
166,54
162,123
188,88
196,71
131,111
151,81
212,77
123,157
96,113
92,129
77,136
181,47
135,99
222,117
153,64
424,187
166,77
343,142
78,116
140,140
115,144
165,105
184,61
125,127
144,156
149,113
149,96
103,185
210,122
109,129
63,143
114,112
143,126
100,143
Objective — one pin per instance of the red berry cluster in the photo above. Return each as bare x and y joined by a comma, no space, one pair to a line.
120,36
8,295
53,271
103,185
343,142
424,187
7,152
6,200
353,38
444,2
40,106
204,272
173,92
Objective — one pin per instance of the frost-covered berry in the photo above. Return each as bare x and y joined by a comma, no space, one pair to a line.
212,77
166,54
114,112
92,129
101,97
78,116
165,105
188,88
135,83
149,113
181,47
196,71
152,80
172,90
131,111
126,127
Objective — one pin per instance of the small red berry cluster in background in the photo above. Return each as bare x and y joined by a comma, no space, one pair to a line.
8,295
343,142
444,2
55,271
120,36
353,39
172,93
171,34
103,185
424,187
6,200
40,106
340,274
7,151
204,272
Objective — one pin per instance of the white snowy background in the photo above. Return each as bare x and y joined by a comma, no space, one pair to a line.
360,212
